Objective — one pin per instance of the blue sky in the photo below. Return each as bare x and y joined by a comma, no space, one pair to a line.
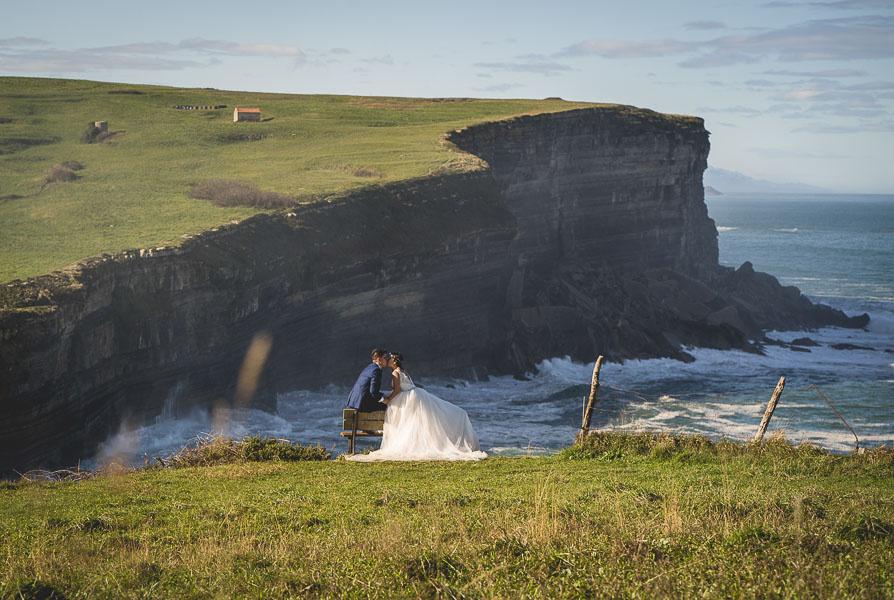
790,90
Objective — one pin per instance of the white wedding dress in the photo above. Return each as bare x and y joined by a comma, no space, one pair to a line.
421,426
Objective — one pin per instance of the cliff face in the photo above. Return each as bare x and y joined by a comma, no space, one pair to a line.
615,253
602,187
603,199
586,233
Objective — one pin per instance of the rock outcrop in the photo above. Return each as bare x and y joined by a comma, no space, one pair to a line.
615,252
585,232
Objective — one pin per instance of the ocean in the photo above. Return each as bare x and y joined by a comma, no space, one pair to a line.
839,249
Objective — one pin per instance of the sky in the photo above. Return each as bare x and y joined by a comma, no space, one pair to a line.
791,91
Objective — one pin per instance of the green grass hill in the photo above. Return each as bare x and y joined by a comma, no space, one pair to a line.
638,516
63,199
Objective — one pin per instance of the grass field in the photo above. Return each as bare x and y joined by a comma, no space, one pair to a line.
132,191
625,516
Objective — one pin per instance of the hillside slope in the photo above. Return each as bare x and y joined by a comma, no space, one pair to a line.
625,516
132,191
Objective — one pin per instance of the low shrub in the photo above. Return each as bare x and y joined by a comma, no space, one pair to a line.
62,173
608,445
366,172
236,137
803,457
92,134
226,192
72,165
257,449
218,450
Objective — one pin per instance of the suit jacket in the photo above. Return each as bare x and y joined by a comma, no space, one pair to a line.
367,391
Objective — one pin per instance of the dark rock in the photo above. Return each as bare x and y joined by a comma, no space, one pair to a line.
846,346
799,349
804,341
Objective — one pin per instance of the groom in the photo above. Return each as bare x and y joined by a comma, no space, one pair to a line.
367,391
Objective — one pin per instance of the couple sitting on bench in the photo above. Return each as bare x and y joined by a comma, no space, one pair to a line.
414,423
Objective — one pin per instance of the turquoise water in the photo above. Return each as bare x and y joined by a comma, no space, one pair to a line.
837,249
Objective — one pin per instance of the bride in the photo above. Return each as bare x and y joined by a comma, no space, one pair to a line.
421,426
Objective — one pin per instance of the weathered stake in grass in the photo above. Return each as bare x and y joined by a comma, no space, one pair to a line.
591,400
768,413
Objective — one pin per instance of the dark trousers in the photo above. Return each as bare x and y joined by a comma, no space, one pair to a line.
370,404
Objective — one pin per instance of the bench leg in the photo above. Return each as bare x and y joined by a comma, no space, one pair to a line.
353,438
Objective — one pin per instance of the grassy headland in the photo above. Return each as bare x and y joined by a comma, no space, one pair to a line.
133,188
623,516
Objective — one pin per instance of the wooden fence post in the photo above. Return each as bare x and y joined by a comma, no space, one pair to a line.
768,413
591,400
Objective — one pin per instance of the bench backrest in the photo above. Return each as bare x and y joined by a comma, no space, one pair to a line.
366,421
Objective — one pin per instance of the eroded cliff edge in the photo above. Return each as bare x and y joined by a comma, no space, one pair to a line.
615,252
585,233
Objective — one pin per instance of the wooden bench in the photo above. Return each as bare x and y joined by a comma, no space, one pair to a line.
361,424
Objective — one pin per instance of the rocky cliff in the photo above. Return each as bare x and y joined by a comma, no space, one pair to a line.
584,232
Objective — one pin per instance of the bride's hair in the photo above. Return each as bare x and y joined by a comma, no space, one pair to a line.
398,358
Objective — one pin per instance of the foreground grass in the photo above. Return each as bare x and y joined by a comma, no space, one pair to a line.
617,518
132,191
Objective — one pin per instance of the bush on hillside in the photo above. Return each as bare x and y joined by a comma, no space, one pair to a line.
366,172
62,173
236,137
608,445
226,192
91,134
218,450
72,165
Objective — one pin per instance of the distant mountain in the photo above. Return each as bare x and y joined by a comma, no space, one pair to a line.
712,191
733,182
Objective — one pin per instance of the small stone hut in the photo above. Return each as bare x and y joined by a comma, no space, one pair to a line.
246,113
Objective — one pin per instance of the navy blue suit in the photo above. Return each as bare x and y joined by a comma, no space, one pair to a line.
367,391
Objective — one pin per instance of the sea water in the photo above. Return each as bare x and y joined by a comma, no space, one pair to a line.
838,249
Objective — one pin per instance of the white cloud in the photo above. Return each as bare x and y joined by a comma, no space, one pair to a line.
499,87
627,48
818,73
703,25
19,41
844,38
32,55
526,66
805,94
